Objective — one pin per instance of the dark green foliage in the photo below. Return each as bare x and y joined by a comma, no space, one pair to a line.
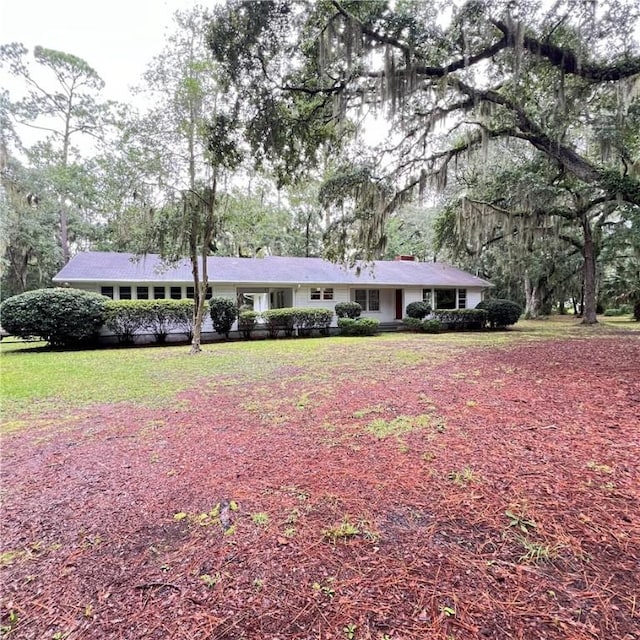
308,319
636,311
247,321
164,316
617,312
62,317
413,324
126,318
359,327
502,313
348,310
418,310
462,319
431,326
223,314
280,320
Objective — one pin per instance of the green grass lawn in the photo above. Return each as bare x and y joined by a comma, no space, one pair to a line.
37,379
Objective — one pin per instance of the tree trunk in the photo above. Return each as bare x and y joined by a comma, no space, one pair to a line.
589,274
532,298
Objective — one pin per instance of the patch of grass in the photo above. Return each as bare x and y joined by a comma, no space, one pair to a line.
382,428
599,468
341,531
463,477
261,519
537,552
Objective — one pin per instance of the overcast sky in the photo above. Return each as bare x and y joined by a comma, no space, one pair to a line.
116,37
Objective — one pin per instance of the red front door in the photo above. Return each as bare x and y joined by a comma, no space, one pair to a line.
399,305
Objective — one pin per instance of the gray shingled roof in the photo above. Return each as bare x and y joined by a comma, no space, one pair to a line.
101,267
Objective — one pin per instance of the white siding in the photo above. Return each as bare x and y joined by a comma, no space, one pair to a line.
474,296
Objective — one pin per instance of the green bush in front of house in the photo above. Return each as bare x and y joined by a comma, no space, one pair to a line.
461,319
62,316
278,320
308,319
127,318
413,324
223,314
431,326
358,327
247,320
418,310
348,310
502,313
164,316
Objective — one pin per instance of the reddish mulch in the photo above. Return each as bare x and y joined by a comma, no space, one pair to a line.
548,431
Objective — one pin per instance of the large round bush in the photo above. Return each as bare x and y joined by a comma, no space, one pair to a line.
62,317
418,310
501,313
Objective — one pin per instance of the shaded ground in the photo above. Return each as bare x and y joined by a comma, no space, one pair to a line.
460,494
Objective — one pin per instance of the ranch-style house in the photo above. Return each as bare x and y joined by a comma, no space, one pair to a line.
382,288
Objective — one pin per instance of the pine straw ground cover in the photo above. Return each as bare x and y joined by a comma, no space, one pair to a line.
400,487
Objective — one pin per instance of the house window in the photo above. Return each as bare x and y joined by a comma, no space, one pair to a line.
191,293
175,293
159,293
125,293
107,291
445,298
142,293
319,293
426,297
209,294
368,299
462,298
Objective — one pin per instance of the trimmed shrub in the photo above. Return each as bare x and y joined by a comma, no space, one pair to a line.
308,319
418,310
182,316
247,321
164,316
223,314
636,311
412,323
461,319
358,327
431,326
126,318
280,320
62,316
502,313
348,310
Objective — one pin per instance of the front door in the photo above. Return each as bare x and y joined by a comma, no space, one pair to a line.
399,305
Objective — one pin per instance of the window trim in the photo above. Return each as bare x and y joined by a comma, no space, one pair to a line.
367,300
321,294
145,295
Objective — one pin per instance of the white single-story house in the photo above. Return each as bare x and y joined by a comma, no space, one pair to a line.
383,288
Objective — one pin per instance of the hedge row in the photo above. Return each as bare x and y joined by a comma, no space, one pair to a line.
305,320
462,319
126,318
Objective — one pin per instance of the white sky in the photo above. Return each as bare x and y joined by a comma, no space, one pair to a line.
118,38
